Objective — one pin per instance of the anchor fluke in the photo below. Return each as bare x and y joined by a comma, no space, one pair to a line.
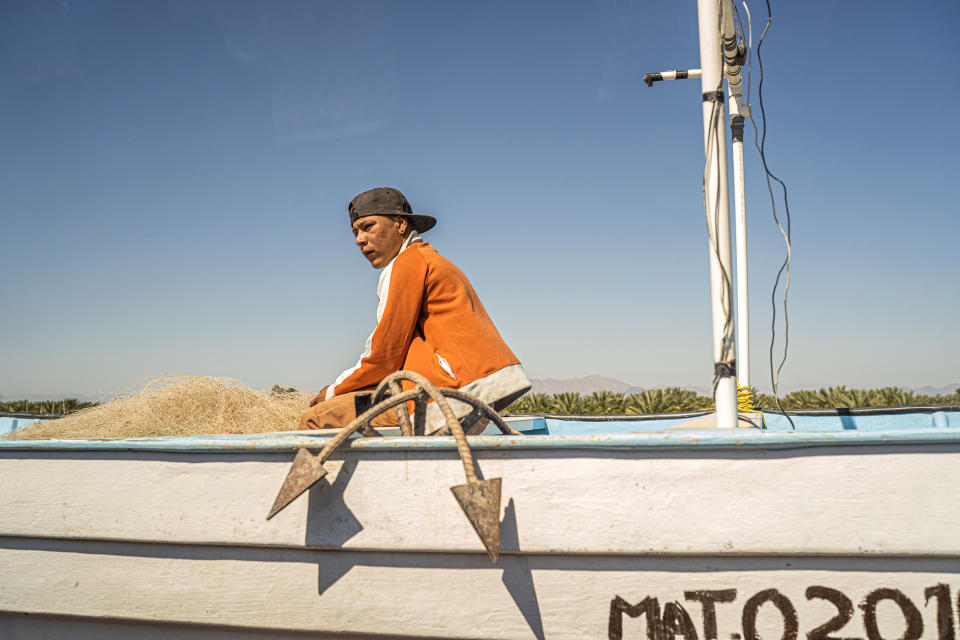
480,501
306,470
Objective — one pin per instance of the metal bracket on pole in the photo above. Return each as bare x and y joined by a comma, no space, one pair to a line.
674,74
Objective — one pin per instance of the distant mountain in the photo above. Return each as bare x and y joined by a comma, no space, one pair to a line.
703,391
948,390
586,385
593,383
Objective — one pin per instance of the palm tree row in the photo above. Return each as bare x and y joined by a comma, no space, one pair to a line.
840,397
667,400
607,402
674,399
64,405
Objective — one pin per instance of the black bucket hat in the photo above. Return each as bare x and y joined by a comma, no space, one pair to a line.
387,201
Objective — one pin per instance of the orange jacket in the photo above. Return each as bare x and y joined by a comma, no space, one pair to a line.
431,321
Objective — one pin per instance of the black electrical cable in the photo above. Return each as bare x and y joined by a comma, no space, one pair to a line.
760,143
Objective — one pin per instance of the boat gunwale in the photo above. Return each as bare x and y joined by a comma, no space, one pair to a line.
675,439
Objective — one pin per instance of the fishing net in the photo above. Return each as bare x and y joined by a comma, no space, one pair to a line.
180,406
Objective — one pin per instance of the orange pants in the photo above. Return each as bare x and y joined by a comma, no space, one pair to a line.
339,411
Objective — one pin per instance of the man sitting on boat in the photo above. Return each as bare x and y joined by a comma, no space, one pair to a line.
429,320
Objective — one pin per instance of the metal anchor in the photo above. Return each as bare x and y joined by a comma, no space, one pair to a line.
479,499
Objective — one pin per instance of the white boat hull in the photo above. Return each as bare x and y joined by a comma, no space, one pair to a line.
175,544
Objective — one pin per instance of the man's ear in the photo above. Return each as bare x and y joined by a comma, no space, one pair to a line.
402,223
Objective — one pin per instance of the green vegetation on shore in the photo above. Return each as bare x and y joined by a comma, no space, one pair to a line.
607,402
676,399
64,405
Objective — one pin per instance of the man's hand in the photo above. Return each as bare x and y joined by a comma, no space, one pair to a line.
320,396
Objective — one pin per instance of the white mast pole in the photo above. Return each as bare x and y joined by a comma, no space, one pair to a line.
716,200
738,111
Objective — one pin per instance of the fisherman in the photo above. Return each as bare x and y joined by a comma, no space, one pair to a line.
429,320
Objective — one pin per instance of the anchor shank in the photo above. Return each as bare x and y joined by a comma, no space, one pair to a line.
403,417
363,418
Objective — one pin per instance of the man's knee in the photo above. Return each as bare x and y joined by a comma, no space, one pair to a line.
334,413
339,411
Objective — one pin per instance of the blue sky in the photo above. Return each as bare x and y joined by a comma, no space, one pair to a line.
174,179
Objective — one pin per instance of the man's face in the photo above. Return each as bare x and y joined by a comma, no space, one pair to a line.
380,237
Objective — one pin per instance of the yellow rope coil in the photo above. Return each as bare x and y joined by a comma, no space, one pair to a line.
747,402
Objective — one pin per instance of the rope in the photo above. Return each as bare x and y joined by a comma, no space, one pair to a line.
452,423
747,402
